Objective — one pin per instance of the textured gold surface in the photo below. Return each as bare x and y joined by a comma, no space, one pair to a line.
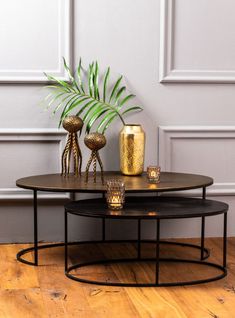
132,146
72,124
95,141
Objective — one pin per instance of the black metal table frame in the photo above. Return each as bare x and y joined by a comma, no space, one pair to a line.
204,254
36,247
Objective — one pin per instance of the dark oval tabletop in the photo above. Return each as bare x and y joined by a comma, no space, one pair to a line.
160,207
170,181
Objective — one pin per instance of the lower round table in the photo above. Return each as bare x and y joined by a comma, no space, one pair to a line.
150,208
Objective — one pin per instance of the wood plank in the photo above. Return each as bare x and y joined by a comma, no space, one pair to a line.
155,302
73,299
44,291
13,274
22,303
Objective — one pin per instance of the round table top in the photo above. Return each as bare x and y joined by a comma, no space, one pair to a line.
170,181
148,208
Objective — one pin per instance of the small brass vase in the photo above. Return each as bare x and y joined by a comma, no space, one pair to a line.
132,146
95,142
72,124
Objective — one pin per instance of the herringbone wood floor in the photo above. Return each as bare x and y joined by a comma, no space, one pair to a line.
44,291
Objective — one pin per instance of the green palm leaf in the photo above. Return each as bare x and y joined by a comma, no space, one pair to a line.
105,120
105,83
60,82
89,111
94,118
91,80
56,89
68,70
56,97
119,93
80,100
86,105
134,108
96,81
61,103
126,99
66,106
95,110
111,119
71,78
79,76
115,87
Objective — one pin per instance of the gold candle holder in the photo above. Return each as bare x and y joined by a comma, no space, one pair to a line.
115,194
153,174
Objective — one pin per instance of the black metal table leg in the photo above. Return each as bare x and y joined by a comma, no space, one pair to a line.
157,252
202,238
35,246
139,240
225,241
204,193
65,241
103,229
35,214
203,227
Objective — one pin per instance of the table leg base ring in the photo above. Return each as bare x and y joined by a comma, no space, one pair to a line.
19,255
136,284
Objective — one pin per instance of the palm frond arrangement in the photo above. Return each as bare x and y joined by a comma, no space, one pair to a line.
89,97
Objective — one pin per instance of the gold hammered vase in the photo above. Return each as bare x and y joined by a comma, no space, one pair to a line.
131,146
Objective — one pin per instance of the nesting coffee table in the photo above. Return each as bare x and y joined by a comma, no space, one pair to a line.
138,208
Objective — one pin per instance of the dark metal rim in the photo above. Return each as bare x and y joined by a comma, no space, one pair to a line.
166,284
147,217
206,251
20,183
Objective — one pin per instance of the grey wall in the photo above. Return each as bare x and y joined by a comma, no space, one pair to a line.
193,59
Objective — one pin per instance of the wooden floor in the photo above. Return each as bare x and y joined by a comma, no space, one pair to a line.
27,291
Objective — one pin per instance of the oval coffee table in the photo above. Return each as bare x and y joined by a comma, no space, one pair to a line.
170,181
150,208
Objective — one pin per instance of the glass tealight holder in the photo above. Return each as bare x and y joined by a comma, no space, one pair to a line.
153,174
115,194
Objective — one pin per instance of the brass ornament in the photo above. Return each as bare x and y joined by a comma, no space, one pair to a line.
95,141
132,145
72,124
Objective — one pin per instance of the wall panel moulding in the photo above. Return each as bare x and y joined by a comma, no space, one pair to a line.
34,37
26,152
197,41
205,150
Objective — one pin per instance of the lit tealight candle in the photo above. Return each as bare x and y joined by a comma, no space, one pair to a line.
153,174
115,194
114,200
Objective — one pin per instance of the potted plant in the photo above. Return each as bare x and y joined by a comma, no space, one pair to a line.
98,103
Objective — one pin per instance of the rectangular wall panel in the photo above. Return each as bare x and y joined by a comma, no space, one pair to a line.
206,150
34,36
196,42
26,152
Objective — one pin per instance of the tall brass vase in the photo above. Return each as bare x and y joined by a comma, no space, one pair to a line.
132,145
